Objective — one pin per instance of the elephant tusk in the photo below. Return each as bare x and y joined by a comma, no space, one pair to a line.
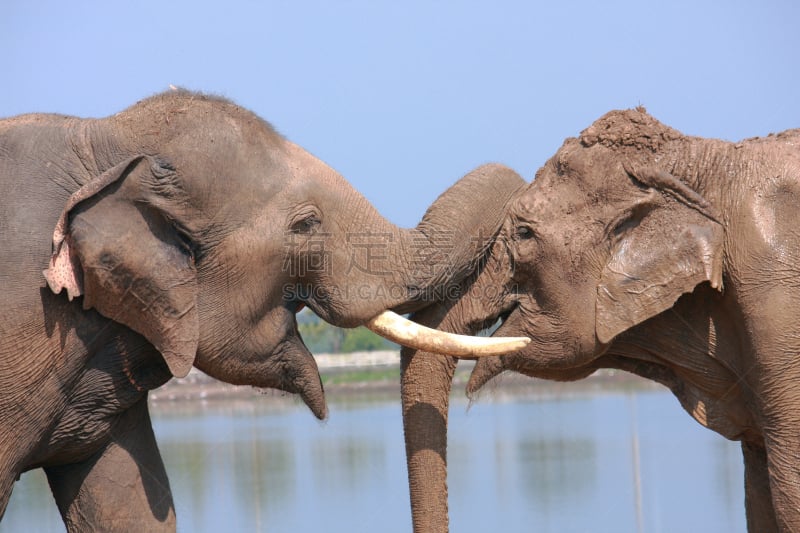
394,327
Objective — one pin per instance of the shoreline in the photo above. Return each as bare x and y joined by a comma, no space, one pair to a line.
375,376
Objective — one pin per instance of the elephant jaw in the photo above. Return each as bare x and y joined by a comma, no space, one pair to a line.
285,365
395,328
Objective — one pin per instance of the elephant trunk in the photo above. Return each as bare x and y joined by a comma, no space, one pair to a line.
425,388
427,378
387,268
456,231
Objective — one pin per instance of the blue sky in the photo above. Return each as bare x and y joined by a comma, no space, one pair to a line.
405,97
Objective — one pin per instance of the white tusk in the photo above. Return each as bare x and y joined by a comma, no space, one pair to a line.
394,327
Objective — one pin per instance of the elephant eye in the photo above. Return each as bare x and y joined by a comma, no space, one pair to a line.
306,224
187,245
523,233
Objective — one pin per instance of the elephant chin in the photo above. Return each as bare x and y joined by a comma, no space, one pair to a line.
485,369
299,374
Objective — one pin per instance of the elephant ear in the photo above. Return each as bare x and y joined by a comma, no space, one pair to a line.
116,246
663,245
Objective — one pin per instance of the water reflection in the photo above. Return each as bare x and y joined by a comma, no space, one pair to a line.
608,462
557,468
359,461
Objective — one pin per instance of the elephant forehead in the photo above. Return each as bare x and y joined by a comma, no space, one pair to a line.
543,203
302,164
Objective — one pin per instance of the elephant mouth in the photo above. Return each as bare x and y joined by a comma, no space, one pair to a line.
502,317
295,305
509,321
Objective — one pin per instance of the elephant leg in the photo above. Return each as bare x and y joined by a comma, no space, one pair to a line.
783,463
777,395
6,484
122,487
757,493
426,382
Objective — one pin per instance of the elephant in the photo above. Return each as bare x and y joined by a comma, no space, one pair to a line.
182,231
639,248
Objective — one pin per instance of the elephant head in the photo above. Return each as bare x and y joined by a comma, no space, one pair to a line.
603,239
205,231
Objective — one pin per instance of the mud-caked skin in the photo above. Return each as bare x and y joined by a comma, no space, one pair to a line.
182,231
642,249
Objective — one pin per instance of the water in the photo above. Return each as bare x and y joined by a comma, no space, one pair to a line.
611,462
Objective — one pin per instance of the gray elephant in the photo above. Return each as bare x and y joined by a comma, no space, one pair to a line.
182,231
642,249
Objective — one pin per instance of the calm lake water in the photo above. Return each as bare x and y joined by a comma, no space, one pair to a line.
607,462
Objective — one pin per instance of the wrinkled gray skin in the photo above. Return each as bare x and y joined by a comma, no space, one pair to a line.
183,230
638,248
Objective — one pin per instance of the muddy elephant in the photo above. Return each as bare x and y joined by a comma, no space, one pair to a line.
181,231
642,249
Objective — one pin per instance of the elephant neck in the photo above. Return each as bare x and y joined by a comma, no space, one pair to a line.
709,167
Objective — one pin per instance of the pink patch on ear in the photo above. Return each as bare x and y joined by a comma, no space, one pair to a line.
64,272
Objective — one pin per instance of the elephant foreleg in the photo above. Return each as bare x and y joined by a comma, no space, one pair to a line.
6,484
757,494
783,460
777,395
122,487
